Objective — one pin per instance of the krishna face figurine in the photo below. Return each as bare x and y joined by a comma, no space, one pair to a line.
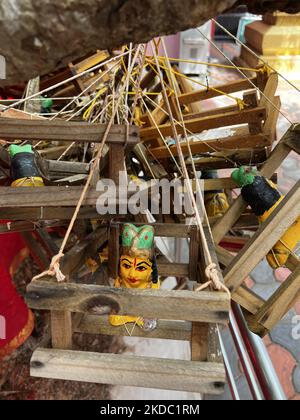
137,270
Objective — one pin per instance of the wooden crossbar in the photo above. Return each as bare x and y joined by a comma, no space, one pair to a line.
159,304
128,370
203,94
234,143
166,330
12,129
207,123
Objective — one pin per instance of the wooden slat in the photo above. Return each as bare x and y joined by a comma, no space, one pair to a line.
194,254
45,197
49,213
167,330
61,330
233,143
12,129
173,270
128,370
199,342
173,305
114,250
281,302
207,123
264,239
211,112
203,94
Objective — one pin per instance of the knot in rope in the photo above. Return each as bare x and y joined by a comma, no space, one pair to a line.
212,273
54,270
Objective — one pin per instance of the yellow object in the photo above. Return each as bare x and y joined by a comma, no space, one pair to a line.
28,182
280,253
216,204
135,273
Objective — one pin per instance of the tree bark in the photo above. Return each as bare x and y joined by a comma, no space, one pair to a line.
39,36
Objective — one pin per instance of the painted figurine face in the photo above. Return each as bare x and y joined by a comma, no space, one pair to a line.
135,273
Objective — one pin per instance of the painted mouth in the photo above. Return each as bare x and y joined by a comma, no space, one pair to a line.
133,281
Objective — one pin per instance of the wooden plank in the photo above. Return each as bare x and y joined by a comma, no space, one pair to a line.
45,197
185,86
116,162
251,100
264,239
61,330
208,123
114,250
270,125
166,330
211,112
280,303
58,130
159,304
243,296
49,213
233,143
199,342
278,155
203,94
173,270
91,61
214,347
194,254
270,92
128,370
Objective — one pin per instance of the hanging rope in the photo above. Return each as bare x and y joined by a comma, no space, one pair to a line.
54,269
211,271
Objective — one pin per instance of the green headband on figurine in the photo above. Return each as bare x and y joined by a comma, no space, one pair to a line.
243,176
14,149
138,242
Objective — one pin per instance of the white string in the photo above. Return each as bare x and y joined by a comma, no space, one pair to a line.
162,137
245,76
190,132
42,92
254,53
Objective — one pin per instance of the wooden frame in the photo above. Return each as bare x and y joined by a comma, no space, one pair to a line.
185,315
263,315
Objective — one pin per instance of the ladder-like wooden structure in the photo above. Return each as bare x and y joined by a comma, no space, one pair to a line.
184,315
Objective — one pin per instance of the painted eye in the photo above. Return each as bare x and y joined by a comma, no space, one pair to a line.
126,266
141,269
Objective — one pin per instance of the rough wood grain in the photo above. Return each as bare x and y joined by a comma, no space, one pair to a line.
207,123
173,305
166,330
56,130
128,370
